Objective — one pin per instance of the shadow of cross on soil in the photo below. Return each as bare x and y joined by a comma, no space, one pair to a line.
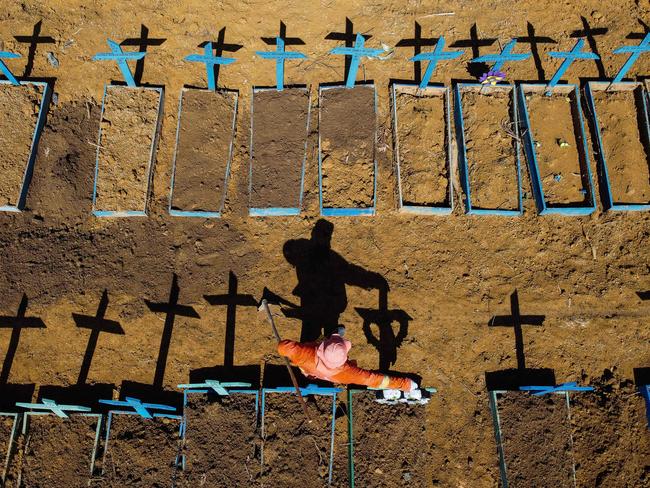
417,42
348,37
220,46
643,295
143,42
475,43
171,309
534,41
96,324
590,34
17,323
34,40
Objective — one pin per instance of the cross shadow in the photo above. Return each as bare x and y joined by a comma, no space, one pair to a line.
512,379
143,42
10,393
16,324
33,40
643,295
475,43
534,41
417,42
348,37
220,47
590,34
288,41
639,35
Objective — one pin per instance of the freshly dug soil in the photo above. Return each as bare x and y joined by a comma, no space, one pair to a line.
628,166
536,438
347,143
19,107
296,453
279,144
58,451
340,466
204,142
491,152
6,426
423,147
127,131
141,452
610,435
390,445
551,121
223,425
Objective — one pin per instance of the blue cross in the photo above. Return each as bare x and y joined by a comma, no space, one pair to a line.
210,61
500,59
51,405
356,53
140,408
5,70
569,58
280,56
310,389
543,390
636,51
438,54
121,58
218,387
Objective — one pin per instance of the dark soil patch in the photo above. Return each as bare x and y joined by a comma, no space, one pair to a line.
223,425
536,440
279,143
628,166
204,150
491,150
558,155
340,467
390,444
423,147
347,145
141,452
19,108
127,133
610,435
296,453
58,451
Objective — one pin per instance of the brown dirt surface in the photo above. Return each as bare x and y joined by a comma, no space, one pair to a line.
296,453
628,165
347,138
141,452
551,121
279,143
423,147
19,108
58,451
536,439
127,131
227,426
340,465
491,153
203,152
6,426
610,435
391,447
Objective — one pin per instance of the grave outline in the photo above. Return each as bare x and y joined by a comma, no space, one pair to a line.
15,432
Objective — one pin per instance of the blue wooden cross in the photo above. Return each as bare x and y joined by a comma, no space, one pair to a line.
52,406
3,66
645,392
438,54
356,53
121,58
217,386
500,59
543,390
569,57
210,61
636,51
310,389
140,408
280,56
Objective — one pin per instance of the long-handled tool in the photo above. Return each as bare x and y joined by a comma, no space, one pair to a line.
265,307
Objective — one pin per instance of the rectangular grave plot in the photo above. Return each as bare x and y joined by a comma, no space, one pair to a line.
204,145
279,130
556,149
126,147
140,452
486,124
622,138
346,157
23,111
226,425
422,134
58,451
390,443
294,452
534,439
8,433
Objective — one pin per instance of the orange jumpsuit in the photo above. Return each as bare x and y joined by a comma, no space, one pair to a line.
304,356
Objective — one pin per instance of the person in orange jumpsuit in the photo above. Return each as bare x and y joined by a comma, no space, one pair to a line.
328,360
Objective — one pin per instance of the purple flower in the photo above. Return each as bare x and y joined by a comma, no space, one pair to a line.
492,77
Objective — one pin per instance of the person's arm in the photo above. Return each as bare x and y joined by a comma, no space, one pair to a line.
298,353
352,374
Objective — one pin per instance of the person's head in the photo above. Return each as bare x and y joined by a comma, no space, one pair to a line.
322,232
333,351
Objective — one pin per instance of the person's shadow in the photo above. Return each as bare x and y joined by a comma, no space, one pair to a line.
322,277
